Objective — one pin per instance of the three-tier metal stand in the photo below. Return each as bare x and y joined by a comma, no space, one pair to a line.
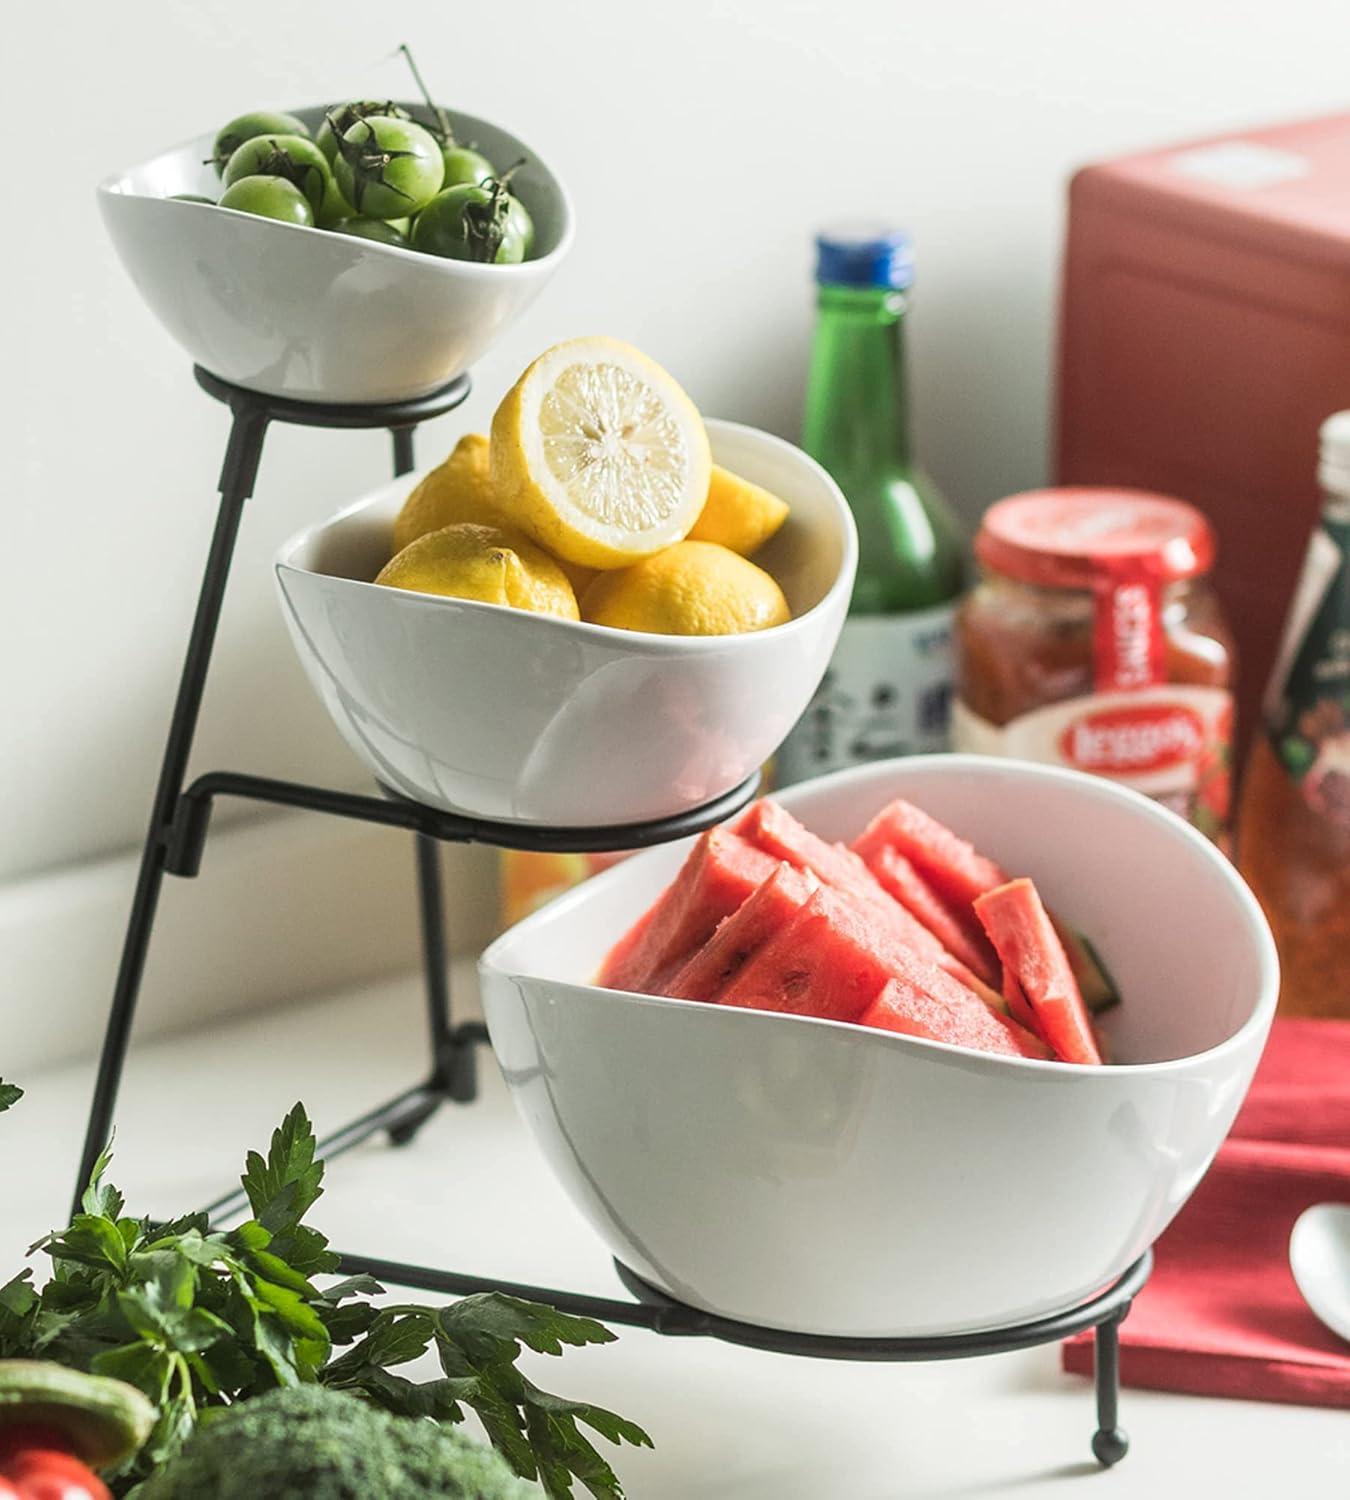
179,824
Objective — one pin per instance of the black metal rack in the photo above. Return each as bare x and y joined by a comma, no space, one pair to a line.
179,824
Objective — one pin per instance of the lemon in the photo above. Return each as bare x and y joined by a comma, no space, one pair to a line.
599,455
738,514
459,490
487,563
692,588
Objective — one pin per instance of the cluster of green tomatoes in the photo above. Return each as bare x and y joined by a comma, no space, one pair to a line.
373,171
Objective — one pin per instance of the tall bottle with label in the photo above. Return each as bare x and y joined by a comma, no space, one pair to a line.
1294,823
888,689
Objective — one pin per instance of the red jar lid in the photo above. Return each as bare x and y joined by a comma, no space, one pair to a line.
1072,538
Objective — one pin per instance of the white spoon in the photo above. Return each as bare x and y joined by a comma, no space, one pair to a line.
1319,1257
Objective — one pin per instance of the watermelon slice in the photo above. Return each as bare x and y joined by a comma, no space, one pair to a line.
759,917
1019,1007
775,830
1025,938
810,968
956,868
719,874
902,1007
944,860
625,955
962,938
832,960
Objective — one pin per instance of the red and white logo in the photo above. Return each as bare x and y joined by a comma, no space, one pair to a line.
1127,741
1129,648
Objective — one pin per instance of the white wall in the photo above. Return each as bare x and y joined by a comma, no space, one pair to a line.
703,141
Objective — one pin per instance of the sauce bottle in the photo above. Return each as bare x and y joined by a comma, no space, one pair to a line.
1294,823
888,688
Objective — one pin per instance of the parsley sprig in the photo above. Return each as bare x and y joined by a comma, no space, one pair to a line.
199,1318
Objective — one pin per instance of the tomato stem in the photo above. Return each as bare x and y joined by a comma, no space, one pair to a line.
438,111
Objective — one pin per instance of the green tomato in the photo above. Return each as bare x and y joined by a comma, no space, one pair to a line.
260,122
270,197
334,206
441,229
388,168
519,231
464,164
345,116
293,157
467,222
372,229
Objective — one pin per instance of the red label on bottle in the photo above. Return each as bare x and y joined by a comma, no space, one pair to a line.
1128,647
1129,741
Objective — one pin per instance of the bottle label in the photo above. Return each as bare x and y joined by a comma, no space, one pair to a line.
1129,649
1308,705
1171,743
887,692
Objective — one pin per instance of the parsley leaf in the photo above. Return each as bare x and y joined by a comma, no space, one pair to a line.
289,1182
10,1093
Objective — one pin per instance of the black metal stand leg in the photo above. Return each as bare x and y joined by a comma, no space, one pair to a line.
435,957
455,1067
455,1048
238,474
177,823
404,462
1110,1442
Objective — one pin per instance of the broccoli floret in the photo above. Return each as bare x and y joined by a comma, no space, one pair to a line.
309,1443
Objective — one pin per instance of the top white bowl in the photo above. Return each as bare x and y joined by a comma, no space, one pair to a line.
314,316
828,1178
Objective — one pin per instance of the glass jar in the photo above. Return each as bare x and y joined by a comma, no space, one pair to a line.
1093,640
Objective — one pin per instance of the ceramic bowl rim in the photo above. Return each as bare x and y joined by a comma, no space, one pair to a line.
1256,1023
634,642
114,186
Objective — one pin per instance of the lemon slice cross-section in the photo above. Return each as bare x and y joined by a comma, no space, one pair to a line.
599,455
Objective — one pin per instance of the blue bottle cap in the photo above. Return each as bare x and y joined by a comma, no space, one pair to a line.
865,255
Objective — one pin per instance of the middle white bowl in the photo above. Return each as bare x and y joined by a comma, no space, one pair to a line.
502,714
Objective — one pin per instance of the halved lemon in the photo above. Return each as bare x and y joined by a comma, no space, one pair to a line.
599,455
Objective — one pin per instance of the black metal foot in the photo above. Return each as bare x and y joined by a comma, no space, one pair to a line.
461,1064
406,1127
1110,1447
1110,1442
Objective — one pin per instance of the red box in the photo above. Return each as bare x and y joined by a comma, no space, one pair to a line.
1205,333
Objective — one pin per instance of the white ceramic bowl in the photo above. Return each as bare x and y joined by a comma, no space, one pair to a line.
823,1177
502,714
316,316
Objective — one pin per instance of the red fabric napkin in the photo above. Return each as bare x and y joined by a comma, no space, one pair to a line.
1221,1315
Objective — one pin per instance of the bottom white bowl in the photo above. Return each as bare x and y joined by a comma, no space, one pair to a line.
821,1177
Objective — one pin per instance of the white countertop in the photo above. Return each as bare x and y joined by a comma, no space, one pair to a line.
472,1194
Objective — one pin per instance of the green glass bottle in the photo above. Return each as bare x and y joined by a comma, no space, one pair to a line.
888,689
